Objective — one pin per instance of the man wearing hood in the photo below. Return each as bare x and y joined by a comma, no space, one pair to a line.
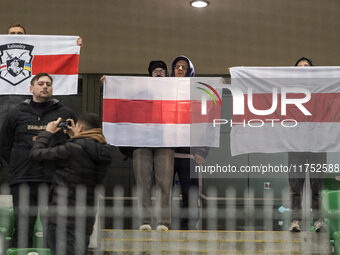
81,161
187,157
182,67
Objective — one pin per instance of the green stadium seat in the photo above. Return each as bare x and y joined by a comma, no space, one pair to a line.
331,210
330,200
331,183
7,220
28,251
6,228
337,243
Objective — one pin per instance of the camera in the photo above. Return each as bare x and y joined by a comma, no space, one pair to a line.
64,124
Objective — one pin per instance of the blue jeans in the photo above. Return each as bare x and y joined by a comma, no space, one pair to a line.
62,241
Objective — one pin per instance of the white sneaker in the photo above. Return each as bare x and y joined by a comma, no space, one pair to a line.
318,225
162,228
145,227
295,226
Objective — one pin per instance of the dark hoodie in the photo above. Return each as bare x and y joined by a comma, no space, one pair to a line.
190,72
202,151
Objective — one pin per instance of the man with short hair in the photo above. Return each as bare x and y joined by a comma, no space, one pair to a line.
81,161
18,133
16,29
7,100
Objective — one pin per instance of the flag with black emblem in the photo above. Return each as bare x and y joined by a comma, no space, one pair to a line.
23,56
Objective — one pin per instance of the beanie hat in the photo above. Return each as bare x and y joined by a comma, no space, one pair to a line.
155,64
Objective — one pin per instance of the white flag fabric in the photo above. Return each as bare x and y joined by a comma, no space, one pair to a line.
23,56
288,127
161,111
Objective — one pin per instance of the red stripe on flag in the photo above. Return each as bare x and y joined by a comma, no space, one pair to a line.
56,64
158,111
324,107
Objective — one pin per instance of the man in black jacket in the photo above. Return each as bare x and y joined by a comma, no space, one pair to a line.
18,133
80,162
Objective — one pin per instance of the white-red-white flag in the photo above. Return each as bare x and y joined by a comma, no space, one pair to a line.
293,121
23,56
161,112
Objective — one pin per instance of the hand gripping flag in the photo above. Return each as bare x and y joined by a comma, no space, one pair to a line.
161,112
281,109
23,56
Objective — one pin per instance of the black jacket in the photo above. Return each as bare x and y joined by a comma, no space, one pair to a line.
79,162
19,130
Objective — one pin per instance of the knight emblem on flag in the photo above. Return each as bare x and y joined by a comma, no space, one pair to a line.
15,65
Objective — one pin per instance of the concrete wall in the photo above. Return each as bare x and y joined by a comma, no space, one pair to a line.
122,36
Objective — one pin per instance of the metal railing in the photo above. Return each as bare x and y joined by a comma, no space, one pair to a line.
242,223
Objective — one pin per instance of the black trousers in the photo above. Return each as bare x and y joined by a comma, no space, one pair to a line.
297,180
189,190
25,216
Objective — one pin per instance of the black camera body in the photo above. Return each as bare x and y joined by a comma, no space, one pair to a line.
65,124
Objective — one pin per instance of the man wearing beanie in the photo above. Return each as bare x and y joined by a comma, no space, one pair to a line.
150,164
157,68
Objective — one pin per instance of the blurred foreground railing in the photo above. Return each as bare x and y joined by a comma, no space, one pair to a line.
242,223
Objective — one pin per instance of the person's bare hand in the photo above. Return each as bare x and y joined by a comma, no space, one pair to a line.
102,78
80,42
52,126
199,159
70,130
